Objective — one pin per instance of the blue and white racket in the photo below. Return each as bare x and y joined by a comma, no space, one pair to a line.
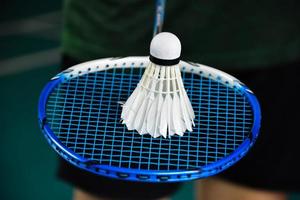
79,113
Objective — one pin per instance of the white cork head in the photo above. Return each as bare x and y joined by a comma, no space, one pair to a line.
165,46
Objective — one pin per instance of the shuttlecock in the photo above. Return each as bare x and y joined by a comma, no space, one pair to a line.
159,105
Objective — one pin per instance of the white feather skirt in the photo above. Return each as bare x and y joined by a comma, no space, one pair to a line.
159,105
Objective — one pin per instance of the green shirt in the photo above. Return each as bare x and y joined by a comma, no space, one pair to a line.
222,33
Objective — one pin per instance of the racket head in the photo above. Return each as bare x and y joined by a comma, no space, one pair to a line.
79,114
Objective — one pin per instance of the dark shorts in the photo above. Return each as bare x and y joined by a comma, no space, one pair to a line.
272,164
274,161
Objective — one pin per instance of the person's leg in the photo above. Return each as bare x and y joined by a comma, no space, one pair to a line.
79,194
213,188
82,195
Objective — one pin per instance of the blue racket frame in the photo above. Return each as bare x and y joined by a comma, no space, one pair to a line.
146,175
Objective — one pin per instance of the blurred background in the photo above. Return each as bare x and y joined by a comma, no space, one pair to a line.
30,55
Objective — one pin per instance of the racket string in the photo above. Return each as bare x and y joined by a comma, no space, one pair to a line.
87,110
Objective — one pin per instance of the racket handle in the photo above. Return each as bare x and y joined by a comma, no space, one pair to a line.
159,16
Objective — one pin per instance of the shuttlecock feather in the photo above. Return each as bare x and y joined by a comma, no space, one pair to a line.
159,105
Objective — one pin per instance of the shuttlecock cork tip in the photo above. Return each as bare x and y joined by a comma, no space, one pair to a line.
165,49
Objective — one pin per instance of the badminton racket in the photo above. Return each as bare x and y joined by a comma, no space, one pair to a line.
79,114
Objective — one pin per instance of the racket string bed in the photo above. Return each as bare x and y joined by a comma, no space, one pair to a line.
84,114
